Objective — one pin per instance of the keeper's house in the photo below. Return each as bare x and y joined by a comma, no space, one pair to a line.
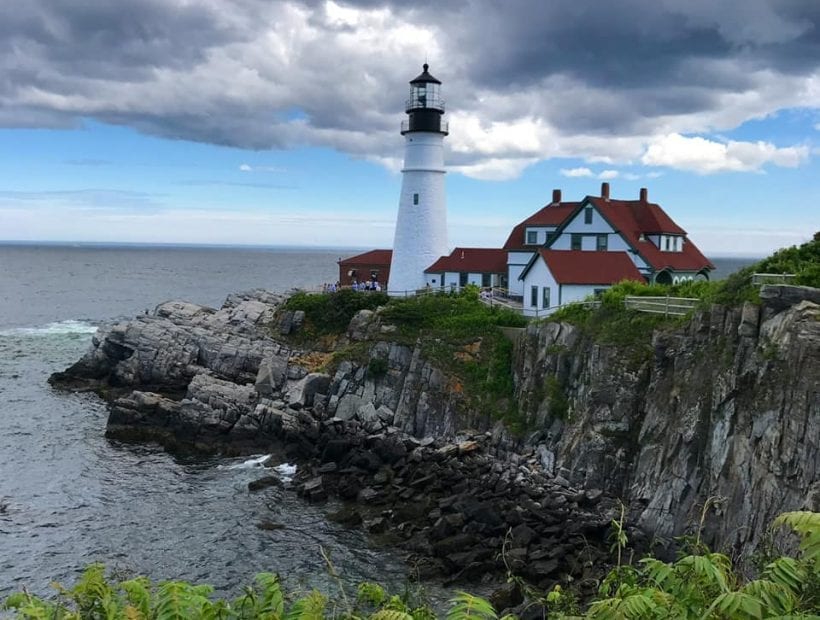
569,250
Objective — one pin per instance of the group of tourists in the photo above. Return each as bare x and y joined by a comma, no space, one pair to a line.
367,285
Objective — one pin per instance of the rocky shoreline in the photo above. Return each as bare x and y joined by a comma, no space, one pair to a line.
463,505
724,410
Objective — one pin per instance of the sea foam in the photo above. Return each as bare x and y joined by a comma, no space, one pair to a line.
59,328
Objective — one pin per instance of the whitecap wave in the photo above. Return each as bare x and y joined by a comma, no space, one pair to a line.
59,328
254,461
286,471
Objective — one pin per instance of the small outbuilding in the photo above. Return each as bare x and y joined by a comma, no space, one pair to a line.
484,267
368,267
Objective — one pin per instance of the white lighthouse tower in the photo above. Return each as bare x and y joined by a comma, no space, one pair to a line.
421,226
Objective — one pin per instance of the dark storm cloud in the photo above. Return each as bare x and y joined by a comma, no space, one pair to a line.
232,72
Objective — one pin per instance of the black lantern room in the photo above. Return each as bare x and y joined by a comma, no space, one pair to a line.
425,106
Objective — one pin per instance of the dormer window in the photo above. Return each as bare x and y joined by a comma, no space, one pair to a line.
588,215
532,237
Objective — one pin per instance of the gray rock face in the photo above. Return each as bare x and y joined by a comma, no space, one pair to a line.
727,406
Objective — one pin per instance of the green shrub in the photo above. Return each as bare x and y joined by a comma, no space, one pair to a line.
329,313
377,367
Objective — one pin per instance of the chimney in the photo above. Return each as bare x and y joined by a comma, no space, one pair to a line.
644,195
605,191
556,196
462,254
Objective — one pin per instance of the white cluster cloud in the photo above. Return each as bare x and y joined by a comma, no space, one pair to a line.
706,156
576,172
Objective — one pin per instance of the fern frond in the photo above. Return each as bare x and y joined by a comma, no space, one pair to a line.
807,525
138,596
371,593
787,572
736,605
776,598
172,601
271,605
310,607
466,607
391,614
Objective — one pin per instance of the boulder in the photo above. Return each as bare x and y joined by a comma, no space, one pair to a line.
304,391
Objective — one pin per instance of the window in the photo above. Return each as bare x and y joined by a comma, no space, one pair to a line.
532,237
415,199
598,292
534,296
588,215
545,297
462,278
601,243
666,243
486,280
576,241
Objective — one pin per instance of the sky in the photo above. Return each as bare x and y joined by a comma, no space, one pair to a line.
277,122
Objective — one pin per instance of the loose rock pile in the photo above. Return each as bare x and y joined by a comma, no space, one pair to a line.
460,511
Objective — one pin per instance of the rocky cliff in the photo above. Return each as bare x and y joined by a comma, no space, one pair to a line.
724,409
725,406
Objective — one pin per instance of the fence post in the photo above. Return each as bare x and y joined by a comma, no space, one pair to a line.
666,311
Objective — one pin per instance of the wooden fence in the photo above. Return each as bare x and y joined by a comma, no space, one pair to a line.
667,306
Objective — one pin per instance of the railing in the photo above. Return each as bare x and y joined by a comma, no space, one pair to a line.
667,306
772,278
443,125
540,313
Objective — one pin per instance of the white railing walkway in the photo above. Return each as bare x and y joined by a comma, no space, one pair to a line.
667,306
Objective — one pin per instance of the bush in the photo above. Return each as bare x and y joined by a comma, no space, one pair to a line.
329,313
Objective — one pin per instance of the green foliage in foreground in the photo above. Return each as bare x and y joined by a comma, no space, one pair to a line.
702,585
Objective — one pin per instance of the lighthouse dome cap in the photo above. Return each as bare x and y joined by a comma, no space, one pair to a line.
425,77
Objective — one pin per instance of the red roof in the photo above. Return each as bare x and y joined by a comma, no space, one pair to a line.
579,267
632,218
373,257
551,215
472,260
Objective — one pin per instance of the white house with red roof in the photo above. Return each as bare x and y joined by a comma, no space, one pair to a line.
598,242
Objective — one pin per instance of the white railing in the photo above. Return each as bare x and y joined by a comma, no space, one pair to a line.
540,313
667,306
772,278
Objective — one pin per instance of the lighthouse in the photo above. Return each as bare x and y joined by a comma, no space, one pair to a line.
421,225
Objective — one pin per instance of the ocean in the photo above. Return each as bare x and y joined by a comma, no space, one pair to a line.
70,497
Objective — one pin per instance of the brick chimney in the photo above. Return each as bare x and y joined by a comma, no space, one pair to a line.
605,191
556,196
644,195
